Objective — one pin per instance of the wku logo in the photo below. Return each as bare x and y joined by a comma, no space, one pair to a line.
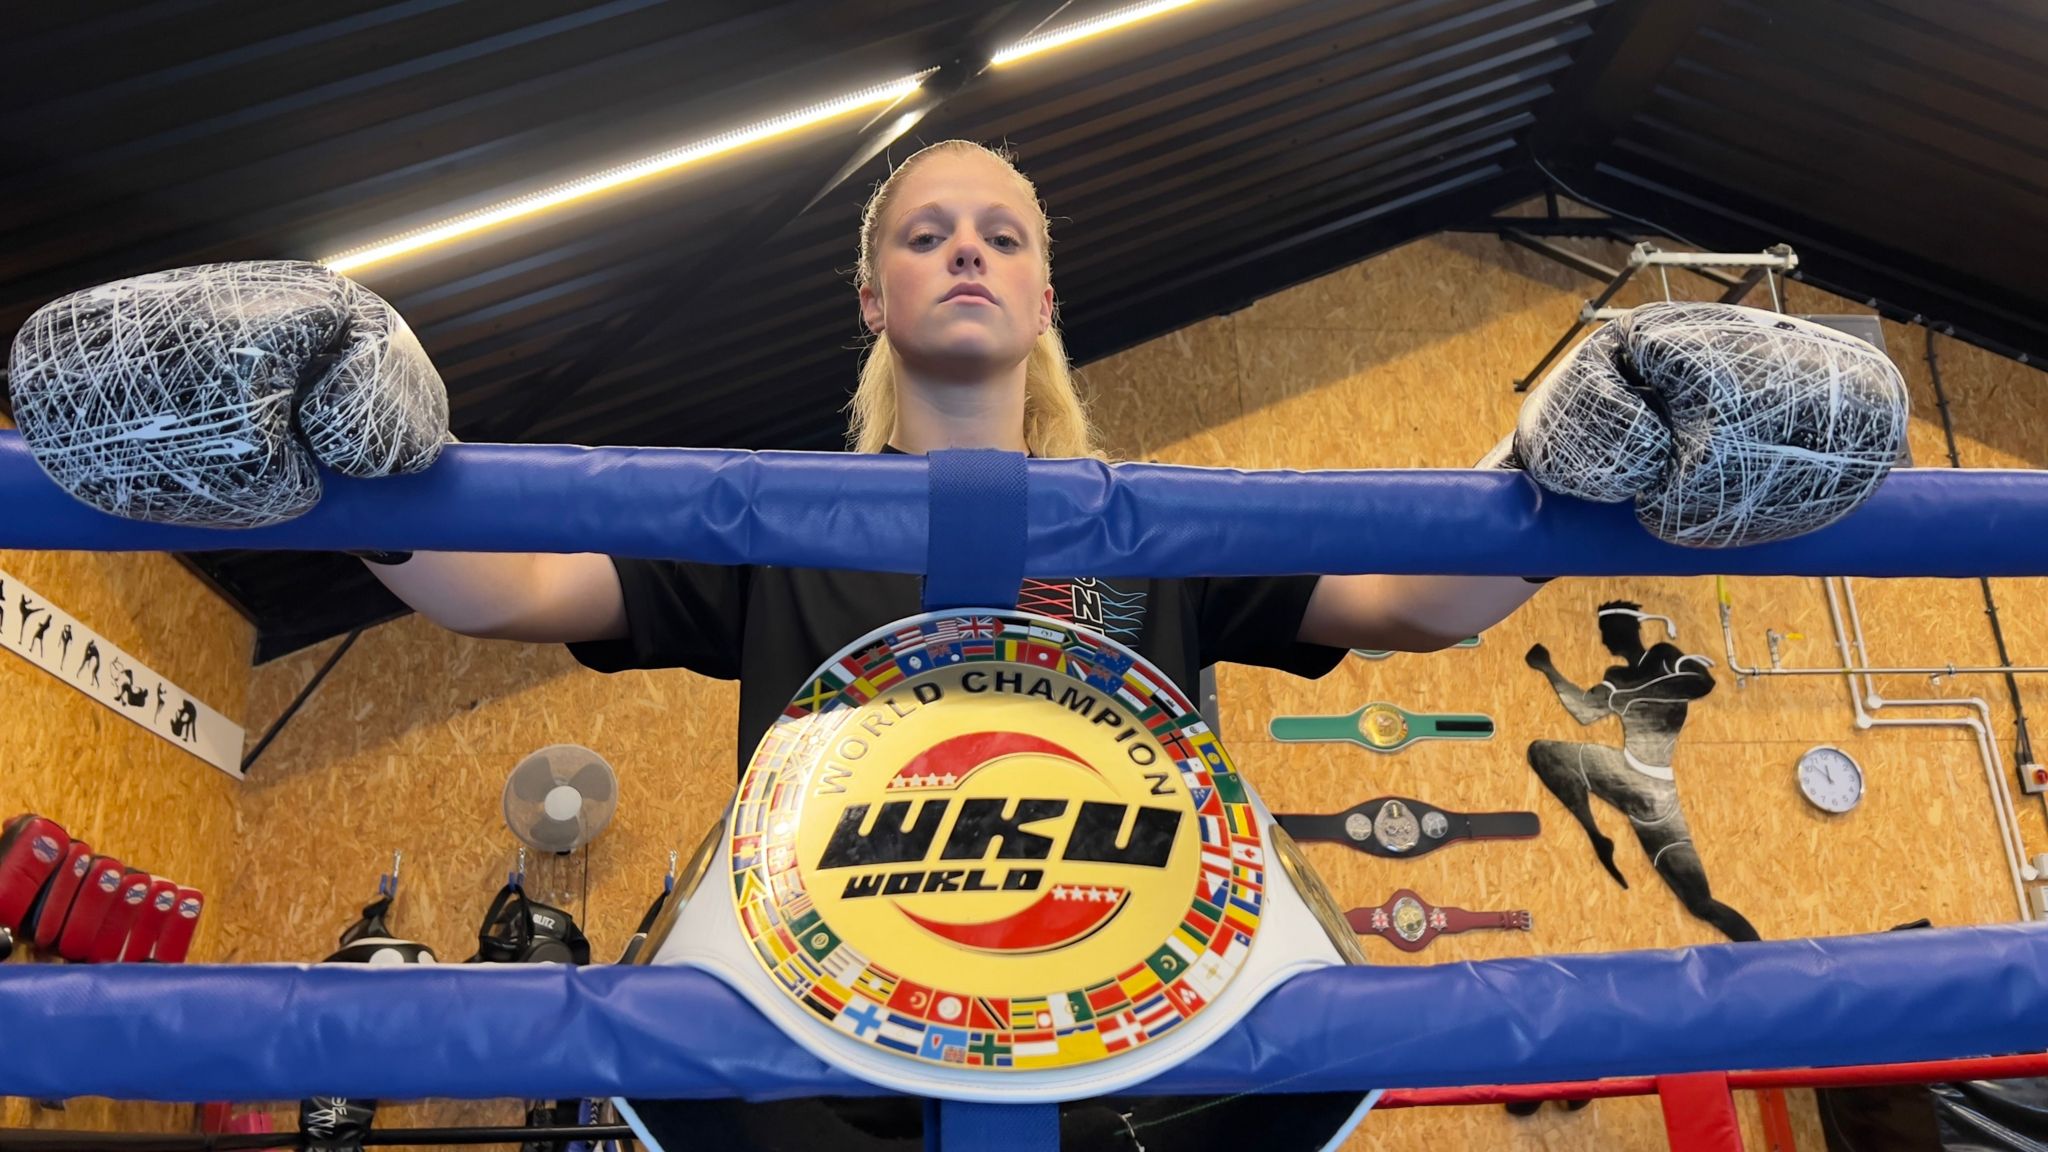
880,839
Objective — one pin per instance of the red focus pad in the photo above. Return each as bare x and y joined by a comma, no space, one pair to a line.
149,923
89,908
46,919
30,847
113,934
177,935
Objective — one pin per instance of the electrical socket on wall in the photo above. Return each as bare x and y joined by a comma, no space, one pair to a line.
2033,778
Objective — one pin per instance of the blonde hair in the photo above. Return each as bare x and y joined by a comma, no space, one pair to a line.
1055,421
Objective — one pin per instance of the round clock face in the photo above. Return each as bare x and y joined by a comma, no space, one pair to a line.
1830,779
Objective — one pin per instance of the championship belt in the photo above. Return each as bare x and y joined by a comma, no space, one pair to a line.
1381,727
1396,827
988,855
1409,922
1383,653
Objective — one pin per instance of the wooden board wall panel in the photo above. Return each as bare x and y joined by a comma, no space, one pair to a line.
123,789
407,746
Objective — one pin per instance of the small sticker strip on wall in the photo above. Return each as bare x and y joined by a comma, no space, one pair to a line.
53,640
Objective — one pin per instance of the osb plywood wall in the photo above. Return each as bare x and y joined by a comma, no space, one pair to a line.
1406,361
119,787
1403,361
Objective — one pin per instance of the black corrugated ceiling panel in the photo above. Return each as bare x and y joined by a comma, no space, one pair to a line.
1900,145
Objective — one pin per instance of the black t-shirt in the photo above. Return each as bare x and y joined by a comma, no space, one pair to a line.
771,627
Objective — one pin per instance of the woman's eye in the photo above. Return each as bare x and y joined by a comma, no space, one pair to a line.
924,240
1006,243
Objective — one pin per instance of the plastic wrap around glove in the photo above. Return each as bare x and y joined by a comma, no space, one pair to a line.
204,395
1726,425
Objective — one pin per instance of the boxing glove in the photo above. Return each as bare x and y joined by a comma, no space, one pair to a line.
1724,425
520,930
47,918
335,1123
338,1124
369,941
157,904
176,939
205,395
30,848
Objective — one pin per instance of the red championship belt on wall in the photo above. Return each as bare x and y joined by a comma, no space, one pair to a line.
1410,922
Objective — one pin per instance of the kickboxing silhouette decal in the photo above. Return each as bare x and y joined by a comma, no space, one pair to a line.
132,688
1650,693
28,609
125,691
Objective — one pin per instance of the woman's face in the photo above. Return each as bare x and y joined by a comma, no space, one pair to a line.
960,289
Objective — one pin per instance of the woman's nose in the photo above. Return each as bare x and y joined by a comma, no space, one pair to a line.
967,256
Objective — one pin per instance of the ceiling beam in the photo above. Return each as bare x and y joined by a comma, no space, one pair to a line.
1614,74
1886,280
555,388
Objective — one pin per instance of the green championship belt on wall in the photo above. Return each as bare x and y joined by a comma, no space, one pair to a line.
1381,727
1383,653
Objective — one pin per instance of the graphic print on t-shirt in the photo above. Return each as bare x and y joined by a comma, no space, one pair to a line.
1096,604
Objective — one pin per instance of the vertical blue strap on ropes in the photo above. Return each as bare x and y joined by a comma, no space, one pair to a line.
965,1127
974,557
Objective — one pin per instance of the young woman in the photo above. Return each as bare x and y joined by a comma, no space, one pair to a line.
182,373
955,283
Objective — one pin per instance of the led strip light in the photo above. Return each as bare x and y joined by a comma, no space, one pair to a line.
533,203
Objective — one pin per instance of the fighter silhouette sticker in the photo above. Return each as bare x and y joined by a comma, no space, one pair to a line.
1651,692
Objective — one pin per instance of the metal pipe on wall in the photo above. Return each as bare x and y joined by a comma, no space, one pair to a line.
2004,814
1987,748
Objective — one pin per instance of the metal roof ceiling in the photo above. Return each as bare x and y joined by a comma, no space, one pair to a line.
1195,162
